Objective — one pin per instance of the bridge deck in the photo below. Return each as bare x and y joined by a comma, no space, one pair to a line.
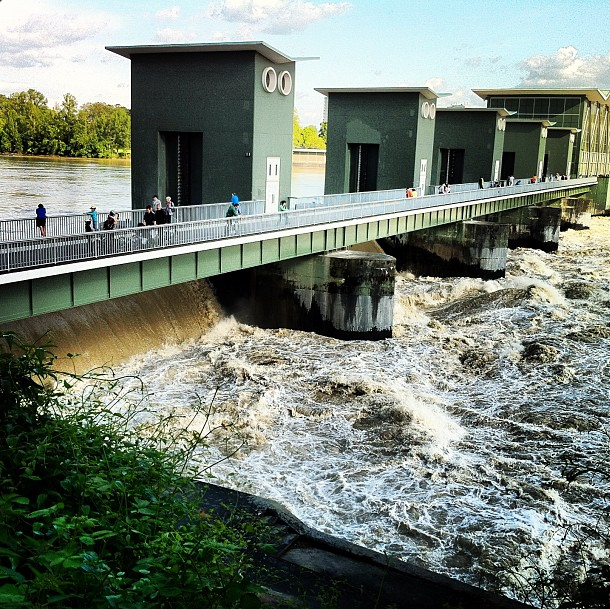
42,253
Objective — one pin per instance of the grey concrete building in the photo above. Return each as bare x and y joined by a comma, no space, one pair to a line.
209,120
379,138
468,144
525,148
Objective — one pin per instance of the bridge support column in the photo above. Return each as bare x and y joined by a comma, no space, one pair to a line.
536,227
601,195
468,249
344,294
576,213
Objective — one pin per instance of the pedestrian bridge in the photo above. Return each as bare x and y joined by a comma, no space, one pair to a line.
71,268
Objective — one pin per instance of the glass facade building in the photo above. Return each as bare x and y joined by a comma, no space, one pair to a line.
584,111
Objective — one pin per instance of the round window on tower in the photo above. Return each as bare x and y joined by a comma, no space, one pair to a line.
269,80
285,83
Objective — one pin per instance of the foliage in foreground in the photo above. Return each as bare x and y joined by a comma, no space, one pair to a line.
91,516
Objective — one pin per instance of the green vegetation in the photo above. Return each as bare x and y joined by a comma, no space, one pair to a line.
308,137
29,126
94,515
94,130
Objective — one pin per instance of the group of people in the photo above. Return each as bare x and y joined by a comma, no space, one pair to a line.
155,214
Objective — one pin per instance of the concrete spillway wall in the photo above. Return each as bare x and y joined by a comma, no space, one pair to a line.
576,213
108,333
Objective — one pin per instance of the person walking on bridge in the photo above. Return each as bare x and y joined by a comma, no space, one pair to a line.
233,214
159,214
149,216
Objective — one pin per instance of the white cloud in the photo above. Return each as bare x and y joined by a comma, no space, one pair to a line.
170,13
461,97
173,36
39,40
566,69
275,16
436,84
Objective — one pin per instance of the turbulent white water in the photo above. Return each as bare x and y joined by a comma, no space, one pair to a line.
453,444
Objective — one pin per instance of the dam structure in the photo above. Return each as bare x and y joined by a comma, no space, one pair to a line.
230,132
308,266
39,276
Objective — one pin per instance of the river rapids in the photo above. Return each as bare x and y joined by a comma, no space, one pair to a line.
475,441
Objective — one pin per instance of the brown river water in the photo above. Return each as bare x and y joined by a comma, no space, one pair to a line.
474,441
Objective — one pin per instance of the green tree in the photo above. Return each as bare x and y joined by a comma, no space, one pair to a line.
28,126
67,115
306,137
296,131
323,132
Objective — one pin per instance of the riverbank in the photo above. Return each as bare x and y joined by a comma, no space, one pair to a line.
55,157
308,569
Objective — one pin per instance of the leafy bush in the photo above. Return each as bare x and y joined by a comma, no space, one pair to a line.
92,515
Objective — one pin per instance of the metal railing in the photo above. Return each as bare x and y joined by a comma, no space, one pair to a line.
32,253
432,190
74,224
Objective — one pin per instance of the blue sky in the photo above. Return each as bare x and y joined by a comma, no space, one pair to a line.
451,46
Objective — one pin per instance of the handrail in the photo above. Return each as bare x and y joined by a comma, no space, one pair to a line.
74,224
32,253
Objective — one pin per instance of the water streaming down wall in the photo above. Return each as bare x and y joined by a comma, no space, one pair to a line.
108,333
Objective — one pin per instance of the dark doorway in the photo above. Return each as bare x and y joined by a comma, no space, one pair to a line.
545,167
452,166
508,165
183,166
363,161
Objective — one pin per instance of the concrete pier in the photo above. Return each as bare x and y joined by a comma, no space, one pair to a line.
601,195
469,249
576,213
536,227
344,294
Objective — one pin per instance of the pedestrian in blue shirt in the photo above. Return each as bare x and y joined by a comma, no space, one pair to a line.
41,219
93,213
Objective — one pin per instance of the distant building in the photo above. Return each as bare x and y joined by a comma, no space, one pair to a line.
209,120
580,120
379,138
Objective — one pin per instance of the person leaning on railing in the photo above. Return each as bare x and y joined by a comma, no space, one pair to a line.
93,213
111,221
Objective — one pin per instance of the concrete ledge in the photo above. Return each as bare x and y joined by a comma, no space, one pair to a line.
307,562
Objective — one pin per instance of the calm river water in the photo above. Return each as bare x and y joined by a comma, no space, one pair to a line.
474,441
67,186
